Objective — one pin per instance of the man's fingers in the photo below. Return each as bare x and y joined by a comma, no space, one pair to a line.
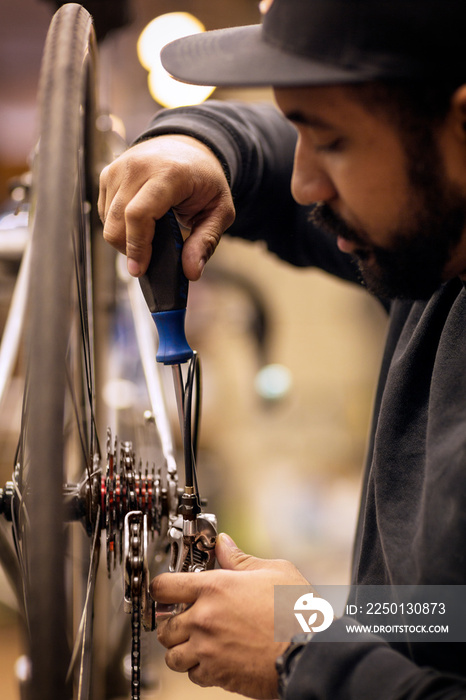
197,675
198,248
173,631
104,193
113,203
206,231
181,658
140,227
130,224
140,187
101,200
178,588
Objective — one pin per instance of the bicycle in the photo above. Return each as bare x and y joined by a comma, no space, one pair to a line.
67,488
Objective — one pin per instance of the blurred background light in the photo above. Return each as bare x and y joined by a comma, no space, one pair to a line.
160,31
273,382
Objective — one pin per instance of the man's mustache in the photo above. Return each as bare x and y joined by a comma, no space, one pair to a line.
323,216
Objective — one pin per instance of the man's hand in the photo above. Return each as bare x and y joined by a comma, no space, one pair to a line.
226,637
147,180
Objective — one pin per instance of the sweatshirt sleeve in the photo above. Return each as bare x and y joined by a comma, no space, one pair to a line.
365,669
255,145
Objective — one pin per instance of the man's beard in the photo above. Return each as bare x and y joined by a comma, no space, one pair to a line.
412,267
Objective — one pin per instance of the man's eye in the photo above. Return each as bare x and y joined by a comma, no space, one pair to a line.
330,147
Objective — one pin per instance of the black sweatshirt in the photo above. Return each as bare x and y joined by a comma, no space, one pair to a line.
412,522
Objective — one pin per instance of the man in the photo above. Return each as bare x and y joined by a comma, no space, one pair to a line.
376,93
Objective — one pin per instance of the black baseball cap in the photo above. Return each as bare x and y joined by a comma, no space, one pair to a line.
327,42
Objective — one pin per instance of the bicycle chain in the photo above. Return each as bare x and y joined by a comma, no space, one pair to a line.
136,649
135,574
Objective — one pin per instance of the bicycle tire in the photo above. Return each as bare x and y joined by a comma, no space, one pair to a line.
58,409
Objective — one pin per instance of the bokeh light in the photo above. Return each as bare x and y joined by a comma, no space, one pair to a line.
163,88
273,382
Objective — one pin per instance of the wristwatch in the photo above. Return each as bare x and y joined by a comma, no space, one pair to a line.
288,660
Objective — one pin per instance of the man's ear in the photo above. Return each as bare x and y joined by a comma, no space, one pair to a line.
458,112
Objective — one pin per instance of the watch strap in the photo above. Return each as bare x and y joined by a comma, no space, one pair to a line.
286,662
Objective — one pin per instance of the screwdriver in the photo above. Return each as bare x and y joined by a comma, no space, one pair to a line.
165,289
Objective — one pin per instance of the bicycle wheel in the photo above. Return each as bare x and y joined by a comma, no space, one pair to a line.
58,440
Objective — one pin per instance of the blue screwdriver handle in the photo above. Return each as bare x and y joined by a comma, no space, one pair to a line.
165,289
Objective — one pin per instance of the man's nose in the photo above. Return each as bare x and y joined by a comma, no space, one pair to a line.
310,183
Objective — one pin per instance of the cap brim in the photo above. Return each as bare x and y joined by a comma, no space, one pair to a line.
239,57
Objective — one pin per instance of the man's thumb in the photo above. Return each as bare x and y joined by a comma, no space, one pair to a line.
230,556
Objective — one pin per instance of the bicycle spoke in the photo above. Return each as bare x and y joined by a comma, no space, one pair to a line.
85,625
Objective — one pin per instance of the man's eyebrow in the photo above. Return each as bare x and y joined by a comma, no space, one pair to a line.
298,117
